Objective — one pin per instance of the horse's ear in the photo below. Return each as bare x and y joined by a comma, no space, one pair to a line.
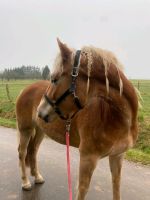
65,51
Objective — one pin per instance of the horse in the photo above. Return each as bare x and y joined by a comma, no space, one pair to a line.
89,90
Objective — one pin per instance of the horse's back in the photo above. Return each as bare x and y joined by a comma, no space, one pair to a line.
27,103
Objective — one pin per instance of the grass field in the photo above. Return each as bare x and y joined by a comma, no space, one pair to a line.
7,106
140,153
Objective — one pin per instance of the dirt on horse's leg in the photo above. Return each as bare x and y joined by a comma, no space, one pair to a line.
33,156
87,166
24,136
115,163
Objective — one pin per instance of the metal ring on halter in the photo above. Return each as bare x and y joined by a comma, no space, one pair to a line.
74,75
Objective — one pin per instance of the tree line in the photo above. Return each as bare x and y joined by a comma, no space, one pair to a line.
25,72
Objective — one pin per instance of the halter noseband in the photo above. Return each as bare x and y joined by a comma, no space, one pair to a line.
71,90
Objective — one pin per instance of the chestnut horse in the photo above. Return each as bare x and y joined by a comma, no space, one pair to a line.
103,117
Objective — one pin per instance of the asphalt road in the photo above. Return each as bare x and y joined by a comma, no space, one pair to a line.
52,161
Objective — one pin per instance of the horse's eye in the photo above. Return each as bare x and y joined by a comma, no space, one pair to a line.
54,81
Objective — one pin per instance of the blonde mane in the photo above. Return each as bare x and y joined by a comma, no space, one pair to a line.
107,58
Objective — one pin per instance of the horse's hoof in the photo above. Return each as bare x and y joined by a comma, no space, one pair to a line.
27,187
39,180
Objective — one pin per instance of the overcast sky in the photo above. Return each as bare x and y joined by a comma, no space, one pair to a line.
28,31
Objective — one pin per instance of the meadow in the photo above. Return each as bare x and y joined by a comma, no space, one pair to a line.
9,90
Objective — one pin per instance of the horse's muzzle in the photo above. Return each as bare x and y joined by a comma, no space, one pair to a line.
45,118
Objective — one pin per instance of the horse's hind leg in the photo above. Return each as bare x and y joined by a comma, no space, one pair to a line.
33,156
87,166
24,136
115,167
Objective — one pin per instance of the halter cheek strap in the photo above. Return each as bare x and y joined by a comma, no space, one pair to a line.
70,91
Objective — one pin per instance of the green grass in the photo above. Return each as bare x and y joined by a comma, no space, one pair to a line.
11,123
137,155
141,151
15,88
144,88
7,107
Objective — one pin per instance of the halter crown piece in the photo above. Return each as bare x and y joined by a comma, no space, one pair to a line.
69,91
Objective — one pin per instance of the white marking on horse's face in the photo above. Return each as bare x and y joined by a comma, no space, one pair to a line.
45,111
43,108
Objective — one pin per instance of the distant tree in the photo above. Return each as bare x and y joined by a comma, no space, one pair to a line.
6,74
1,76
23,72
45,73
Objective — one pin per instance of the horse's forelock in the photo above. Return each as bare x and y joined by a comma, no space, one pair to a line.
58,65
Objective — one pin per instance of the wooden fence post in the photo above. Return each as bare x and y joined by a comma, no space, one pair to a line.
8,93
138,85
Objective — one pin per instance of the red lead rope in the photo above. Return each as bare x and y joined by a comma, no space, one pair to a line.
68,166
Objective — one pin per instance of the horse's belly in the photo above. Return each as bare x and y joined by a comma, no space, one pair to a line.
122,145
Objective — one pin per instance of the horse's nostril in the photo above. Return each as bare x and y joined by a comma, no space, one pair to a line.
46,118
39,115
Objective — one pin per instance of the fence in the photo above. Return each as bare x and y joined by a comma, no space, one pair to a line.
144,87
11,89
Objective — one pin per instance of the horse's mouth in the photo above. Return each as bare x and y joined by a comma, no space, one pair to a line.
48,119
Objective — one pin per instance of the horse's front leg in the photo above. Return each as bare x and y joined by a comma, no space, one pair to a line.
115,167
87,166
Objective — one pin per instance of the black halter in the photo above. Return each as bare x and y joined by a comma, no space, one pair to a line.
71,90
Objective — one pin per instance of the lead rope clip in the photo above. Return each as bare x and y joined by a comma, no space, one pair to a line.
68,123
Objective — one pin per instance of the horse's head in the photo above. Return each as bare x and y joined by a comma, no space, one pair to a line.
60,97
